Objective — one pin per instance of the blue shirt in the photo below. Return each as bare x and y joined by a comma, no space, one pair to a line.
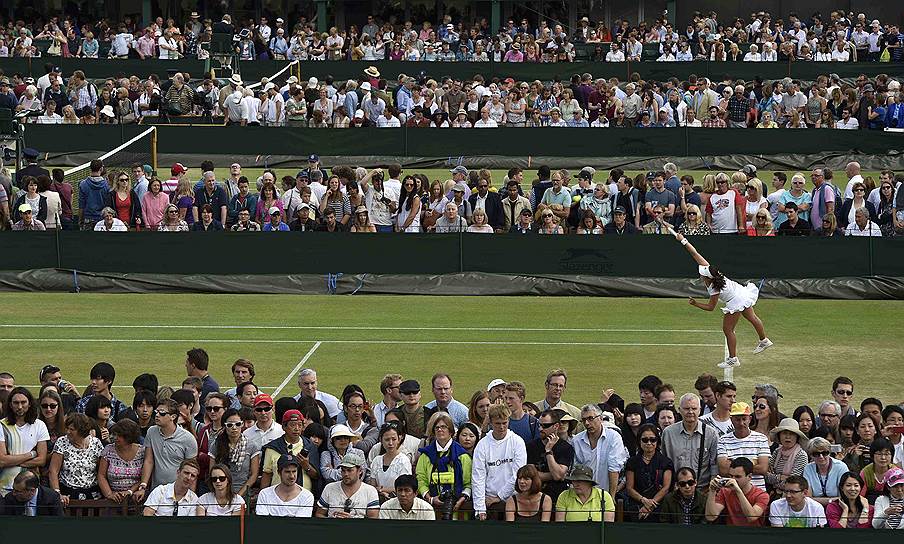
828,486
608,456
456,410
268,226
528,428
31,507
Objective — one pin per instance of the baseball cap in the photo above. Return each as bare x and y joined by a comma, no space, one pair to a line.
498,381
459,170
526,211
273,210
749,170
25,208
739,409
313,157
302,174
292,415
178,168
263,398
460,187
619,209
894,477
352,460
409,386
586,173
148,169
287,460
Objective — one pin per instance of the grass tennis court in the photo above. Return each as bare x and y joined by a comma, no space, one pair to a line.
602,342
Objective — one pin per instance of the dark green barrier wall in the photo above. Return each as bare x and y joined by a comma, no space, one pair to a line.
139,530
567,142
253,71
320,253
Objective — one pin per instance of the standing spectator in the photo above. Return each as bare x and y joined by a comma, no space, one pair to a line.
497,458
444,468
169,446
240,454
552,453
742,442
599,447
73,464
556,382
25,447
725,209
120,463
523,424
790,458
196,364
92,195
102,376
442,393
681,445
265,429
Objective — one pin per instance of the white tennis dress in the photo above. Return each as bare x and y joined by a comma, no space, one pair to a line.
736,297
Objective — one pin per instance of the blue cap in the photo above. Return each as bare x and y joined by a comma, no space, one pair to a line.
30,153
302,174
314,158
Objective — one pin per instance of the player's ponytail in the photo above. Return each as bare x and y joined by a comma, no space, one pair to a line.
718,281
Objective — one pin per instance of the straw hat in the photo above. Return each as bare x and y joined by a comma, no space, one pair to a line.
789,424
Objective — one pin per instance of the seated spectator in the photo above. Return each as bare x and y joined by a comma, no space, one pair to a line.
862,225
851,510
392,463
73,464
287,498
339,446
789,458
176,498
29,498
443,468
882,452
528,503
349,497
742,503
406,505
585,500
121,462
795,225
796,509
686,505
221,500
889,507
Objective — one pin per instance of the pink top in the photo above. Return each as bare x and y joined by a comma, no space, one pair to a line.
152,208
833,515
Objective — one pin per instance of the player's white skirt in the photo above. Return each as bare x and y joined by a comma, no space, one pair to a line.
744,297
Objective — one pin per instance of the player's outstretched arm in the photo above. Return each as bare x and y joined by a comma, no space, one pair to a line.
689,247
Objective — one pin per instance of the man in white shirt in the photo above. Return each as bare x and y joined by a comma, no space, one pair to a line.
406,505
862,226
177,498
497,458
122,42
600,447
388,120
33,438
265,429
485,121
840,53
389,387
167,46
287,498
853,172
796,509
615,54
349,497
264,30
307,384
719,419
847,121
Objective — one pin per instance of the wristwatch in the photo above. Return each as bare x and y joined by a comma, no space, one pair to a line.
142,485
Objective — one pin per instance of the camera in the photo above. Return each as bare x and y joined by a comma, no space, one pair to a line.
835,448
377,175
448,498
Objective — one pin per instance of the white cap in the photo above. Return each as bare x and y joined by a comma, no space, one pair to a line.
704,271
292,79
496,382
365,86
269,86
312,82
359,114
273,210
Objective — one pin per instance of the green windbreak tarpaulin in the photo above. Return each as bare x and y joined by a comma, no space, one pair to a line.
253,71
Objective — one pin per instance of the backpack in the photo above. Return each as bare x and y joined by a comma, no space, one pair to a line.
819,200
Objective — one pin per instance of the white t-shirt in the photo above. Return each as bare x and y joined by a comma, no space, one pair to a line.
812,515
261,436
269,504
392,122
774,198
400,465
213,508
333,500
161,500
724,211
166,53
29,436
723,427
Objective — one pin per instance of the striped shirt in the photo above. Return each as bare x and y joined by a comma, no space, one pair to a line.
753,446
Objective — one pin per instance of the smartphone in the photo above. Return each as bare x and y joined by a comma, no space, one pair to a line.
896,429
836,448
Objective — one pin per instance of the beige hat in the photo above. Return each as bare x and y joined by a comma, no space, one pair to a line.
789,424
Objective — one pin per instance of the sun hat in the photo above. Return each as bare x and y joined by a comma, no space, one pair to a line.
789,424
581,473
341,430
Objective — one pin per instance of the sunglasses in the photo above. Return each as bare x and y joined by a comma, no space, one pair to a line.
263,409
649,440
691,213
215,408
686,483
49,406
761,406
821,454
547,215
218,478
548,425
162,413
233,424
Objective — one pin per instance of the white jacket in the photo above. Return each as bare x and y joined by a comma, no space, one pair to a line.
496,463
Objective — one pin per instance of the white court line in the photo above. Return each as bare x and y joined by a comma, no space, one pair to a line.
297,368
346,327
262,341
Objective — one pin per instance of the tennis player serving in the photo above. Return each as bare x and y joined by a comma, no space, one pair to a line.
739,301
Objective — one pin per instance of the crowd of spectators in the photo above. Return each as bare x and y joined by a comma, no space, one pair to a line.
840,37
377,200
203,450
423,102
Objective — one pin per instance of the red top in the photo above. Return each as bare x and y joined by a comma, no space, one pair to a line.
123,208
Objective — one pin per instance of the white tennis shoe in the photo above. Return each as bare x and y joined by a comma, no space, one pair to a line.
730,362
763,345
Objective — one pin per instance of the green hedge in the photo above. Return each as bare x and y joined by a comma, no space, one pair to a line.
321,253
404,142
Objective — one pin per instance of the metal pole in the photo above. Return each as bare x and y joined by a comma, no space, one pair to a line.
154,150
